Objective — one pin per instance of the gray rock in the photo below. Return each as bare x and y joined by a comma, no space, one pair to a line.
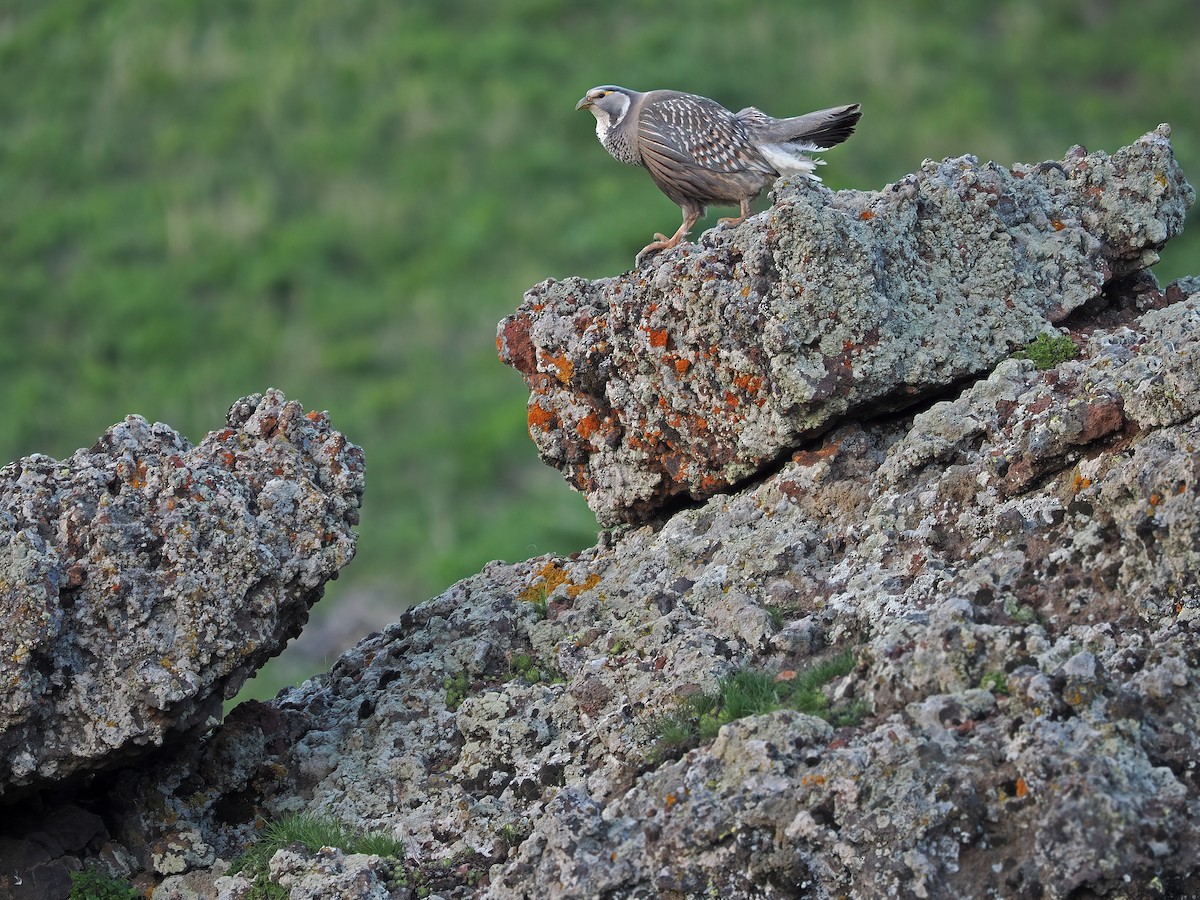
144,580
1014,572
687,377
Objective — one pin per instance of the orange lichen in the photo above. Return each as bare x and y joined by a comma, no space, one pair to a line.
588,426
139,476
574,590
866,215
539,418
658,337
1079,482
1057,225
670,800
746,292
1155,499
752,384
1022,788
814,780
550,576
563,367
682,365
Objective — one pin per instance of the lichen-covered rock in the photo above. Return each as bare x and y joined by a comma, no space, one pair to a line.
317,875
1014,572
688,376
144,580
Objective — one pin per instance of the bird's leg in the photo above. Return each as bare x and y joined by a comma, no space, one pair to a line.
662,242
739,219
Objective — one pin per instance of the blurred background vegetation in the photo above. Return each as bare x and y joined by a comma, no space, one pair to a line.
199,200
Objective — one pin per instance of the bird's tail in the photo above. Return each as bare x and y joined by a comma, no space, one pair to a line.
822,129
786,142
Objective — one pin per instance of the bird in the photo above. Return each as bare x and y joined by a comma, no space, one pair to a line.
700,153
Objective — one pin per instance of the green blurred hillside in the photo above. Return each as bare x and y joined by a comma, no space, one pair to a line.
201,200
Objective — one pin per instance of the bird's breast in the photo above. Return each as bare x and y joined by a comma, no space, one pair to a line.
617,143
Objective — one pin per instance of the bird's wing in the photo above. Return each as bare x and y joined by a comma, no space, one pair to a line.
683,129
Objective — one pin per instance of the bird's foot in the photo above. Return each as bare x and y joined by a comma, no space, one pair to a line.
661,242
743,214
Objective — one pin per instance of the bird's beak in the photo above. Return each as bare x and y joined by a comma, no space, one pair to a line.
585,103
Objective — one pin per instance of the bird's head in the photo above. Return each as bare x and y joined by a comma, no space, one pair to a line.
607,103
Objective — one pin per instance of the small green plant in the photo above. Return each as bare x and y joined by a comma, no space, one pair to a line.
526,667
776,614
512,834
746,693
1047,352
456,686
995,682
311,832
749,692
94,884
541,603
849,715
263,888
378,843
1018,612
803,692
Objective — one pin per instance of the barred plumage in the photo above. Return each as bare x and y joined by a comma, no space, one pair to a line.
698,152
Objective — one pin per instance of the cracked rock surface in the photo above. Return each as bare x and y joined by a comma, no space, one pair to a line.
1006,575
144,580
1013,572
686,376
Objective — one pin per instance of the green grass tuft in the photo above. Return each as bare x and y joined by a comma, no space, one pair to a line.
1047,352
93,884
746,693
541,603
312,832
751,692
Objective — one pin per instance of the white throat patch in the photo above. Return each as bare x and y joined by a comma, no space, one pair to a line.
605,123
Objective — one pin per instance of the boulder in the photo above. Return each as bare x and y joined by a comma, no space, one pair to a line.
713,361
144,580
1011,574
949,651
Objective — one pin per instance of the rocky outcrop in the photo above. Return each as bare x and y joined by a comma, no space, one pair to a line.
1012,574
144,580
686,378
971,625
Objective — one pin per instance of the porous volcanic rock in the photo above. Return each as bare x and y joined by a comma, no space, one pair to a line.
1013,573
144,580
687,376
